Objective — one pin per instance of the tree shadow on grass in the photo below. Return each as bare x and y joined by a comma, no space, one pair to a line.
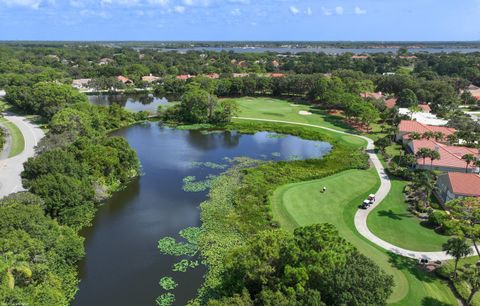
410,265
334,120
429,301
390,214
273,114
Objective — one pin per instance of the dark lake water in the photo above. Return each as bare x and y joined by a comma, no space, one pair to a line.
133,102
123,265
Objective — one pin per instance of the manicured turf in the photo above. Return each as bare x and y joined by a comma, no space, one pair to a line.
276,109
303,203
18,142
392,222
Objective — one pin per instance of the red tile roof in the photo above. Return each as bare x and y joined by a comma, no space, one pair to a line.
374,95
213,75
390,103
123,79
409,126
450,156
277,75
425,108
465,184
184,76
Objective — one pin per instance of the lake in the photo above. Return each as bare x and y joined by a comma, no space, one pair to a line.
132,102
123,265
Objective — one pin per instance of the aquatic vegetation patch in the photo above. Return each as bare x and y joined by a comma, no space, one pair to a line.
165,299
210,165
184,264
190,183
167,283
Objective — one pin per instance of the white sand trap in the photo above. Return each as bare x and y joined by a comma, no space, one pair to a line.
295,105
304,113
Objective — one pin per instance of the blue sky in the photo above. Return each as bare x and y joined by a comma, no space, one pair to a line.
239,19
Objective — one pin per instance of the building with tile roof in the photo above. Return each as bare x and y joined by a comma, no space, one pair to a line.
454,185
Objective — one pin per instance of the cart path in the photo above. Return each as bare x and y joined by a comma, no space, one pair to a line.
11,168
361,216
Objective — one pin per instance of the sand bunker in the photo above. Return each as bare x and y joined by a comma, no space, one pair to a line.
304,113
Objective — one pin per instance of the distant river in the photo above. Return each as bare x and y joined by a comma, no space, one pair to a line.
123,266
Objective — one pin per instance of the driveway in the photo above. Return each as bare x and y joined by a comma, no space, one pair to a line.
11,168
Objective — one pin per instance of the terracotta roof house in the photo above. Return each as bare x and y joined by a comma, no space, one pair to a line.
391,103
277,75
213,76
454,185
150,78
124,80
450,156
184,77
275,63
408,56
373,95
408,126
425,108
359,56
474,91
81,83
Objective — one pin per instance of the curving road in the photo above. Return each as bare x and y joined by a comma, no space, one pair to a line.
11,168
385,185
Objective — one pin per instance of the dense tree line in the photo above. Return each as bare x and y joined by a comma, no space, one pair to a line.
77,166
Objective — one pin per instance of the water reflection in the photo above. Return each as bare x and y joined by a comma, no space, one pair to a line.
123,265
132,102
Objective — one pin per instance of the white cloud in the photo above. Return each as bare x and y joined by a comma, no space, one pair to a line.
119,2
92,13
179,9
326,11
309,12
33,4
359,11
294,10
159,2
204,3
236,12
339,10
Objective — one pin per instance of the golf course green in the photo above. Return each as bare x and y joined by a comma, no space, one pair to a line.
303,203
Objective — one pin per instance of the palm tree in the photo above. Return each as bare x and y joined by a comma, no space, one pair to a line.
423,153
438,136
415,136
434,155
428,135
471,276
468,158
452,139
457,248
425,181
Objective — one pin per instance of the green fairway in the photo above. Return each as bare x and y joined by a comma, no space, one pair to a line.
303,203
18,142
275,109
392,222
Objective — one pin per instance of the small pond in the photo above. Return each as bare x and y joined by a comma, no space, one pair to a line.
132,102
123,265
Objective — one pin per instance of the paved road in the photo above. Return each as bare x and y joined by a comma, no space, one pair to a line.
11,168
362,215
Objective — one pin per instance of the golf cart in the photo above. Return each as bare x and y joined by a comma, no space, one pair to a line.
366,204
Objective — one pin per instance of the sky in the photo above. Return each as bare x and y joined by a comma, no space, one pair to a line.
300,20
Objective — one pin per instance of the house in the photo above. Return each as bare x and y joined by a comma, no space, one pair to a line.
454,185
277,75
240,75
372,95
81,83
105,61
124,80
361,57
450,156
423,116
391,103
408,57
275,64
409,126
474,91
184,77
213,76
150,78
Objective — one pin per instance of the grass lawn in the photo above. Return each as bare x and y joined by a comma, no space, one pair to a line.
393,223
18,143
302,204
